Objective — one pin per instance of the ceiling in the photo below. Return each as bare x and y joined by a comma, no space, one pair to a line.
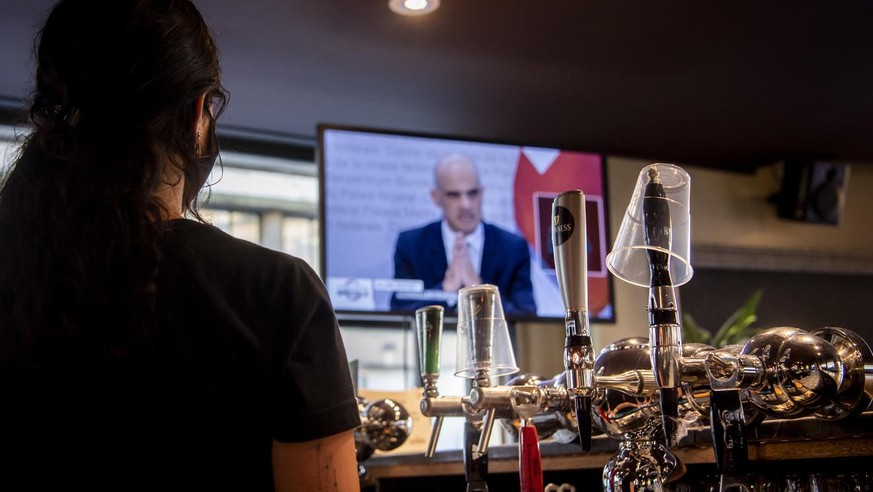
731,84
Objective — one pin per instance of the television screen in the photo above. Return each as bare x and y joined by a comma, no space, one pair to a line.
407,219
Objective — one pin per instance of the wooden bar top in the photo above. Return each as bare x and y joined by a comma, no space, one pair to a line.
771,440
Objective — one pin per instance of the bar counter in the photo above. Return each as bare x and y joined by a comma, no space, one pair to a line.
773,445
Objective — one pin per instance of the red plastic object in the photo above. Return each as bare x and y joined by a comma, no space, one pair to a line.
530,464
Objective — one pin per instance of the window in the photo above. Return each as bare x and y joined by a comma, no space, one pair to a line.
244,225
267,200
301,238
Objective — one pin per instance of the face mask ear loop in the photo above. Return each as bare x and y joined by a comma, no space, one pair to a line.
198,151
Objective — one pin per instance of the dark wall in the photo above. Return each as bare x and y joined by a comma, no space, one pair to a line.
803,300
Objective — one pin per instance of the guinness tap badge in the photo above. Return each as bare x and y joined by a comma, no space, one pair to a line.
562,228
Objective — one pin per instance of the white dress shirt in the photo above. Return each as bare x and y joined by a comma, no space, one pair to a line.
475,244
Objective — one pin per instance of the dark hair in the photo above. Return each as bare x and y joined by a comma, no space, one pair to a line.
114,103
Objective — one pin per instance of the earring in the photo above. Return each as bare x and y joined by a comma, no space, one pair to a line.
197,149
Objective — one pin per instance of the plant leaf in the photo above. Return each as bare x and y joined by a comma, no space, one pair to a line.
737,327
693,332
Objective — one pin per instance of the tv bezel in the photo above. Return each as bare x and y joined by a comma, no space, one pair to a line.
388,317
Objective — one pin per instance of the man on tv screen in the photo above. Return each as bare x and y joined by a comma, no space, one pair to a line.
460,249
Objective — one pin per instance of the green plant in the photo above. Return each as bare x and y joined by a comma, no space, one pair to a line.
736,329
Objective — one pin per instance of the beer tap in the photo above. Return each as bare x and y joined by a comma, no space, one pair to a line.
629,415
652,250
385,426
727,425
522,401
553,403
484,351
429,331
429,328
569,242
788,372
665,335
785,372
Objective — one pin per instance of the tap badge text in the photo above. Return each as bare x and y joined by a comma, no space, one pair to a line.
563,225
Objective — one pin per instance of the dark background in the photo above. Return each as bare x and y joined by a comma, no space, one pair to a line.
725,83
799,299
728,84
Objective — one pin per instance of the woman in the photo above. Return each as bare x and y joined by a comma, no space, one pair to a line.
140,349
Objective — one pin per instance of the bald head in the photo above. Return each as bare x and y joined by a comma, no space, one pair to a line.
457,192
451,166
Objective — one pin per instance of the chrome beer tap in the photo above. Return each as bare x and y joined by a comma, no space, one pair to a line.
569,242
665,335
429,331
788,372
484,351
553,402
785,372
385,426
652,250
629,414
727,426
522,400
429,328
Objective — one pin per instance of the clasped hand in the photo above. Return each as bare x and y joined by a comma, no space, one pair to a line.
460,272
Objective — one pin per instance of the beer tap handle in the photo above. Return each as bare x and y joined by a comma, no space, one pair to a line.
530,464
435,428
727,422
429,329
485,434
570,246
665,335
657,231
429,332
526,404
729,436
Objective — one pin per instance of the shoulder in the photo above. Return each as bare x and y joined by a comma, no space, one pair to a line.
249,287
198,237
422,231
218,253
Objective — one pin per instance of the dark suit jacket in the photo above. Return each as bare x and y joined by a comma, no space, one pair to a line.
420,254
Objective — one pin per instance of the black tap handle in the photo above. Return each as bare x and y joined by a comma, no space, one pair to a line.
669,413
728,432
657,231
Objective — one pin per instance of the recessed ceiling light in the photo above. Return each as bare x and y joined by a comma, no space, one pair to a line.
413,7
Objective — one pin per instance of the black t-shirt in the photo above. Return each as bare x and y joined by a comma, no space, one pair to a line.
245,348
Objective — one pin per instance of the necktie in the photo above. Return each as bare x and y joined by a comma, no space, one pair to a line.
463,248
